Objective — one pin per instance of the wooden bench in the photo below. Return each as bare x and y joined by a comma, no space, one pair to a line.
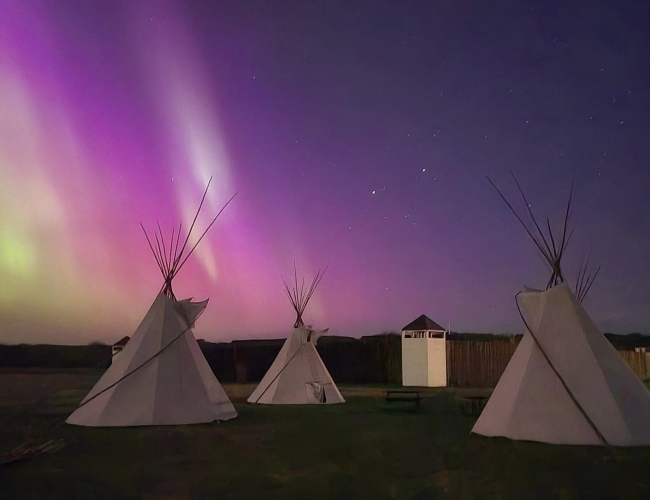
408,396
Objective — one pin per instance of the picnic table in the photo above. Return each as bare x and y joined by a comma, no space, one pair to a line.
402,395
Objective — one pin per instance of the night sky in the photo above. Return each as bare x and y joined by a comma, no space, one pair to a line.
358,135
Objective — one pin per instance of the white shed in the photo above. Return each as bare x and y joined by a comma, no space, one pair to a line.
424,354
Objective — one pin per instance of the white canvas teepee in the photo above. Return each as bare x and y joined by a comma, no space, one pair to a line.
161,377
176,387
298,374
565,384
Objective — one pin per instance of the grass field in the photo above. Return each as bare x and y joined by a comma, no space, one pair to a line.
364,449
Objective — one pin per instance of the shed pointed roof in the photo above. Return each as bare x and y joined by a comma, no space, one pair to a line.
423,323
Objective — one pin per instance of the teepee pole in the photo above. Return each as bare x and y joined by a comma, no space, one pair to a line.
530,212
523,224
160,265
189,233
205,232
163,259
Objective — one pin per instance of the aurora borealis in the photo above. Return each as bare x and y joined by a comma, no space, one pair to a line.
358,134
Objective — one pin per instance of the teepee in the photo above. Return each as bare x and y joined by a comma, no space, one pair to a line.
161,376
298,374
565,384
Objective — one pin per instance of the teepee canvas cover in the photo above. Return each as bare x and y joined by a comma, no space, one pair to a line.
298,374
566,384
161,377
176,387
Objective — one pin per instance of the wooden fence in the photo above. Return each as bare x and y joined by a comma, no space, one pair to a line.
478,363
369,360
472,363
378,360
637,361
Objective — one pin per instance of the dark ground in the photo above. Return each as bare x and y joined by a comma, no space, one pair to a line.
362,449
